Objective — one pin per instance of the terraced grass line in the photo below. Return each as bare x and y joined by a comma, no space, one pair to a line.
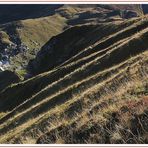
51,89
113,55
47,93
105,107
35,89
143,75
79,119
75,44
100,45
119,27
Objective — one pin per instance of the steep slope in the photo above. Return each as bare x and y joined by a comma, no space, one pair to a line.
59,48
97,95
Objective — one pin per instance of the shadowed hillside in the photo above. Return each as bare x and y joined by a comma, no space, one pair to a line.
7,78
89,85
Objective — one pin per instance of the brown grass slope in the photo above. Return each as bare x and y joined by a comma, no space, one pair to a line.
92,99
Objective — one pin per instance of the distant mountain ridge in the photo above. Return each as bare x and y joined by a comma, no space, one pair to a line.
9,13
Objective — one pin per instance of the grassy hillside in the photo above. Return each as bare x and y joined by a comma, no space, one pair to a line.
32,33
31,26
72,41
97,95
40,30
